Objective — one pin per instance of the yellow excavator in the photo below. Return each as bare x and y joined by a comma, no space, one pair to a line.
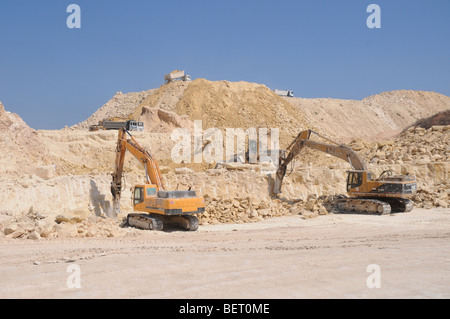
367,194
158,206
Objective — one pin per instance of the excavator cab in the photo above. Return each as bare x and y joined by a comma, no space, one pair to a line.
361,183
357,180
141,193
354,179
138,196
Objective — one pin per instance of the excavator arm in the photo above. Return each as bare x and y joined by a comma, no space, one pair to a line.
303,140
152,173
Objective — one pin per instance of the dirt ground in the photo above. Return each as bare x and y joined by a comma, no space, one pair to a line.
285,257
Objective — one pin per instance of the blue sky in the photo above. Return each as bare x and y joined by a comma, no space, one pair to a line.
54,76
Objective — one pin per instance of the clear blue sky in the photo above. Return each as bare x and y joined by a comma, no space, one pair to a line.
54,76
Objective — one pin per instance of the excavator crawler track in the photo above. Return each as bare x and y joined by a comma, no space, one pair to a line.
193,222
187,222
157,222
400,205
145,221
363,206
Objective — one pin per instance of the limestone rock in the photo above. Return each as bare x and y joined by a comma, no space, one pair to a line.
46,172
74,216
10,229
18,233
34,235
66,230
183,170
236,166
322,210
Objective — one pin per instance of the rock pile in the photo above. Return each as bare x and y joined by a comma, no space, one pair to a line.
242,210
416,144
34,225
422,152
428,199
239,210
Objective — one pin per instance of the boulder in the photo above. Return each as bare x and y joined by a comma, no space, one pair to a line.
73,216
322,210
310,205
34,235
45,227
183,170
66,230
164,169
46,172
18,233
264,212
236,166
10,229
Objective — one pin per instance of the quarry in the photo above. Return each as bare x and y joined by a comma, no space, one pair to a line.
57,205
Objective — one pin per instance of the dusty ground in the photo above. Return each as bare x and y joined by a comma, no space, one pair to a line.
285,257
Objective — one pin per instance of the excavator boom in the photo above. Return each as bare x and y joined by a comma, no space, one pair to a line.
152,172
303,139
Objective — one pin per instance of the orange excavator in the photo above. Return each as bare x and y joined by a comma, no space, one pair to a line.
367,194
158,206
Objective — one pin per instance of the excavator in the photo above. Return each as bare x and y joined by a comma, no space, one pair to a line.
156,206
366,193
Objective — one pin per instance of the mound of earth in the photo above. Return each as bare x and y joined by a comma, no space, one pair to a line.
165,98
223,104
22,149
376,117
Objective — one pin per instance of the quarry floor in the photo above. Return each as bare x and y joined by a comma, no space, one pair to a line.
331,256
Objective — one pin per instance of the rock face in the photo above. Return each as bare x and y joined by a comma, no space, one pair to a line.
161,121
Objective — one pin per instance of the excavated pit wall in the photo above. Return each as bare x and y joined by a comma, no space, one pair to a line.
81,196
81,206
